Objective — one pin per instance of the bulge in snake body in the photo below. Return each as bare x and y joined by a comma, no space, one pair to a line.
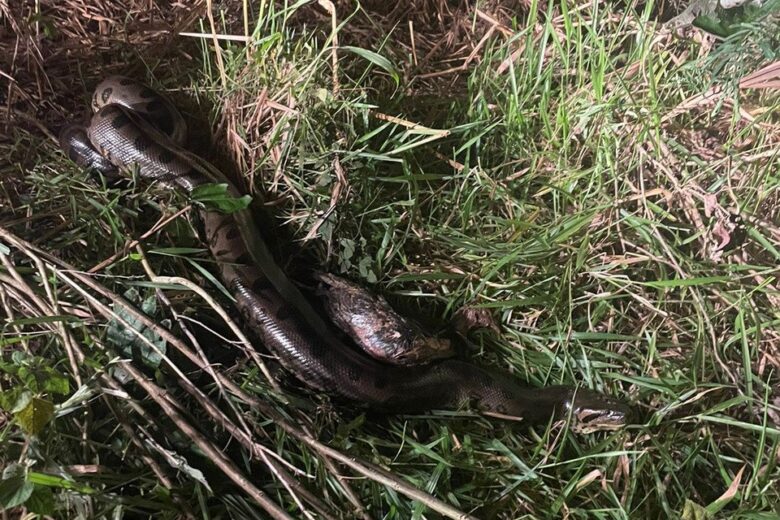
282,317
375,326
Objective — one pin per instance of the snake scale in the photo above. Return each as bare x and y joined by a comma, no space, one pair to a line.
134,128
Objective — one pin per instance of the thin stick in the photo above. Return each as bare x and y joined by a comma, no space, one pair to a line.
360,509
217,48
216,456
334,36
156,227
248,348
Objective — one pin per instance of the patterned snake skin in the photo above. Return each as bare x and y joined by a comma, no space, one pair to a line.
135,129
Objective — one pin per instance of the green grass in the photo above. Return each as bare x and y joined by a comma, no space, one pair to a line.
582,212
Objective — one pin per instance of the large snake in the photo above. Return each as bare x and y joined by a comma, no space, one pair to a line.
135,129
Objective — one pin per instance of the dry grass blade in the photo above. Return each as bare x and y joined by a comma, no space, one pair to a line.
765,77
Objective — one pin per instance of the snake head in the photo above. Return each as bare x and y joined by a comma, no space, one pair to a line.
591,411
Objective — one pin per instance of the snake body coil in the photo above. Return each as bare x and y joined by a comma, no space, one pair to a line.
134,127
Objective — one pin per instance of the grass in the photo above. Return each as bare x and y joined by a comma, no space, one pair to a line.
577,177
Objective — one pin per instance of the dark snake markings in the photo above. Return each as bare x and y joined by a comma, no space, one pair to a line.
127,128
142,143
233,233
166,156
120,121
148,94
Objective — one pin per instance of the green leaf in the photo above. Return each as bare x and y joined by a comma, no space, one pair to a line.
56,481
349,248
177,251
729,495
41,501
14,488
9,398
345,430
130,341
216,197
22,401
35,374
54,382
33,417
364,266
687,282
693,511
45,319
376,59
